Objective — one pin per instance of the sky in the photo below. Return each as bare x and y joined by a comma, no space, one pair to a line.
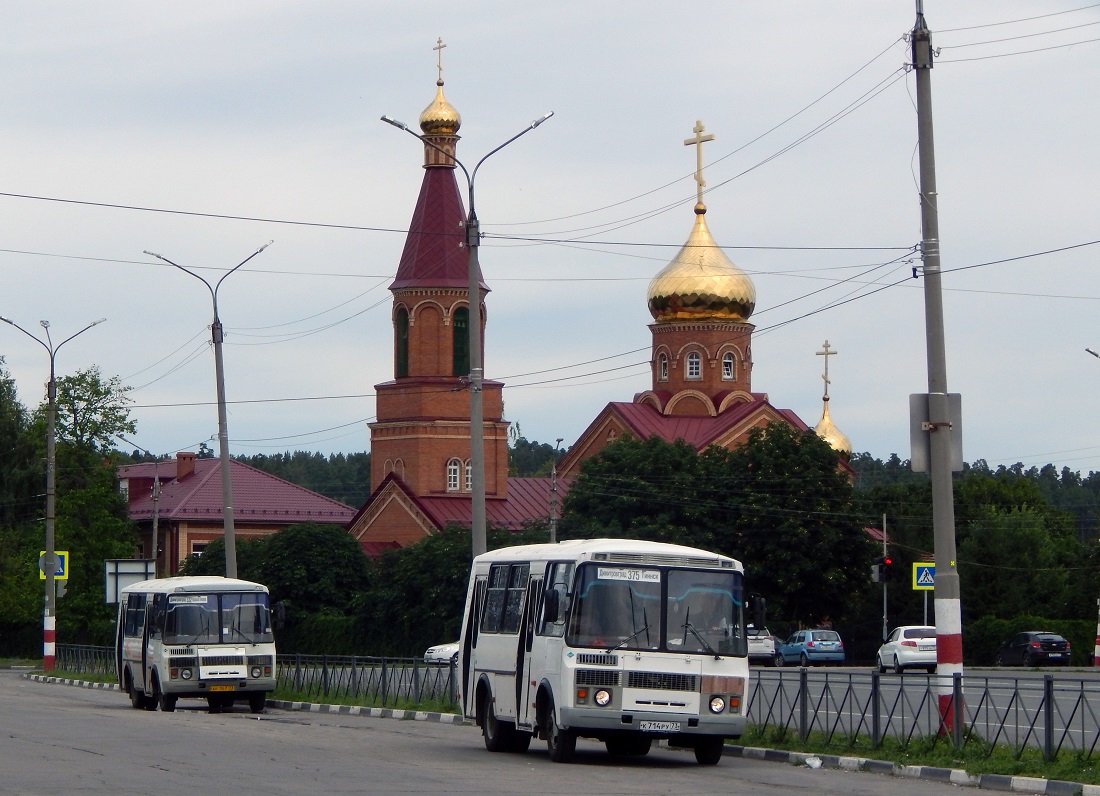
202,131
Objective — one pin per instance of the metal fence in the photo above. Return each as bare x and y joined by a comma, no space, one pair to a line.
1054,715
383,682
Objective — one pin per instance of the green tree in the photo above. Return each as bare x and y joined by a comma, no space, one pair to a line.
779,503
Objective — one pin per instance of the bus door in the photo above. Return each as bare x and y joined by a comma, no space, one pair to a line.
469,646
524,708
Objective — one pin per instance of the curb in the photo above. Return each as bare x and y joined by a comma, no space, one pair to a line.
955,776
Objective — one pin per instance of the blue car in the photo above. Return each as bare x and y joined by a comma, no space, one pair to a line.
811,648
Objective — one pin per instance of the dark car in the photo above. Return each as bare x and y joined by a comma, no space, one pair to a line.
1034,648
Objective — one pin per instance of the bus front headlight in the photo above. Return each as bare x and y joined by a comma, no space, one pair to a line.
602,697
717,704
256,671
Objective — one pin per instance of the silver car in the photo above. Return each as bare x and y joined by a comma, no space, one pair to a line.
761,646
442,654
909,647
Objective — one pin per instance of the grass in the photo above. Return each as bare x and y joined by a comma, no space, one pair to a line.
975,757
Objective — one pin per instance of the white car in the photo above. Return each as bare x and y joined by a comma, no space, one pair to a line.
442,654
761,646
909,647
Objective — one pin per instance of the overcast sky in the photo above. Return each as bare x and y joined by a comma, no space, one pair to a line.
203,130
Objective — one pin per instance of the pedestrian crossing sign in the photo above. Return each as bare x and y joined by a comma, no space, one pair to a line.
924,577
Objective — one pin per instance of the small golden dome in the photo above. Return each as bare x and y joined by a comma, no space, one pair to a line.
701,282
440,118
836,438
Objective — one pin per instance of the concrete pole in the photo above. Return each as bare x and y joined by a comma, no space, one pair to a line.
948,604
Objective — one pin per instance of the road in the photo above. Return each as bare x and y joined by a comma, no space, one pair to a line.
62,739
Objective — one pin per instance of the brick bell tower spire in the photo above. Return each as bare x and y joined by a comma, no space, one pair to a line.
422,429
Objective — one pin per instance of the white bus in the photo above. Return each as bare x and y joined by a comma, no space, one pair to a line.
206,637
618,640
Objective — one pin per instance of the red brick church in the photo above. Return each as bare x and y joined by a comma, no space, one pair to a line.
420,441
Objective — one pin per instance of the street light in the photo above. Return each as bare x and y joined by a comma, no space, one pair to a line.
554,493
49,559
477,430
223,423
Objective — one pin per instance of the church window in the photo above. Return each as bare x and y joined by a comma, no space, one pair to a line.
469,477
728,366
452,474
460,342
401,340
694,366
662,368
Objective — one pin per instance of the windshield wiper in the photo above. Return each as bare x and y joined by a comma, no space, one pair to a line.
703,641
629,638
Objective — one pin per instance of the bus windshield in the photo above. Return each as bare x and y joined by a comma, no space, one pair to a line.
217,619
649,608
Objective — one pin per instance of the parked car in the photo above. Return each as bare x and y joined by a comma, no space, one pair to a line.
1034,648
908,647
442,654
761,646
808,647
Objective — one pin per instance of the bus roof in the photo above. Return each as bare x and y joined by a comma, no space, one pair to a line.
199,583
612,550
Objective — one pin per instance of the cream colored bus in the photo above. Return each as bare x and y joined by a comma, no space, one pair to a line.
618,640
204,637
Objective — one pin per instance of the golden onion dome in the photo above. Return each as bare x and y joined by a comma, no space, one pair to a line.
701,282
440,118
828,431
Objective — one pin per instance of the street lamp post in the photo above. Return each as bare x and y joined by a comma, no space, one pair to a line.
473,239
554,493
49,558
223,424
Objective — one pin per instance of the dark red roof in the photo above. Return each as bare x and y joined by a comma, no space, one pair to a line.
645,421
435,254
257,496
528,501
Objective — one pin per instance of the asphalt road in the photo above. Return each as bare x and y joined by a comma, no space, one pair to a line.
62,739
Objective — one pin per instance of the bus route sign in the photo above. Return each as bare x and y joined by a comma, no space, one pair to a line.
924,576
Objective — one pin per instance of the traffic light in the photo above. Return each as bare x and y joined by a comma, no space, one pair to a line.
887,569
876,571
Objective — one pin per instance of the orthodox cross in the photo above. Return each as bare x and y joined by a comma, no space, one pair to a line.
826,352
698,141
439,45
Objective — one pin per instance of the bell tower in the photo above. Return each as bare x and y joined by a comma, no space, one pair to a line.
422,429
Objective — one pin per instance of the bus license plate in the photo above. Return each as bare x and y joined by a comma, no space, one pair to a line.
659,726
221,688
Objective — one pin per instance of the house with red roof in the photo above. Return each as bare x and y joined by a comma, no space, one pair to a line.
177,505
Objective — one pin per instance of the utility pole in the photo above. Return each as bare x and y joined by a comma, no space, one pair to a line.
948,603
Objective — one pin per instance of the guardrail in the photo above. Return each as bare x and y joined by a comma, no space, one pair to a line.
1054,715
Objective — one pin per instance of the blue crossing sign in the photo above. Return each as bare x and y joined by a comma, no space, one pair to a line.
924,577
61,565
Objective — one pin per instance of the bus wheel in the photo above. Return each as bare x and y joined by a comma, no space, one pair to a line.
165,702
708,750
560,743
257,701
137,698
498,734
521,742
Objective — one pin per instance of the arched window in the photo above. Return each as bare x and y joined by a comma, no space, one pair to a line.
460,342
453,468
469,477
728,371
694,366
662,368
401,341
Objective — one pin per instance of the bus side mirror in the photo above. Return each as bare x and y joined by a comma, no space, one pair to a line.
551,607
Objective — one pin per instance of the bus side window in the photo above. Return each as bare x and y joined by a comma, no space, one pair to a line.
135,615
494,599
156,617
517,589
556,595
